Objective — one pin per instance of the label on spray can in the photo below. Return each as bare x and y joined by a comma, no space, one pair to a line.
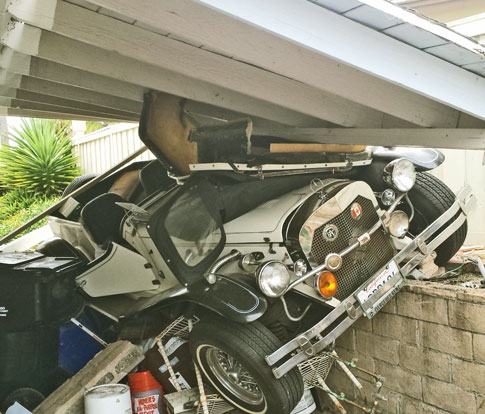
149,402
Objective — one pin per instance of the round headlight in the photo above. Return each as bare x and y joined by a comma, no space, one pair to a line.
398,223
401,174
273,278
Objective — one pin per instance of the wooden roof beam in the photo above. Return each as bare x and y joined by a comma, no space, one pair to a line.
118,42
187,19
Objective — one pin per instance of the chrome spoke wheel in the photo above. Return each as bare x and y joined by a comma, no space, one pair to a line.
233,376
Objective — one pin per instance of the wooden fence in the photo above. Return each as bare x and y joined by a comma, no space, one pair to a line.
104,148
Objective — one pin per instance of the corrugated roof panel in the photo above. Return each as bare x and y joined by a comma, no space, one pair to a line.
340,6
373,18
414,36
478,68
455,54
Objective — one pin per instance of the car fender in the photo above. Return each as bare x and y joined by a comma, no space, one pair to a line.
230,296
424,159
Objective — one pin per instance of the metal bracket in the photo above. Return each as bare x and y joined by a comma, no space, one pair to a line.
306,345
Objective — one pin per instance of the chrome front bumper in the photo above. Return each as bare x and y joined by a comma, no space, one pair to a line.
311,342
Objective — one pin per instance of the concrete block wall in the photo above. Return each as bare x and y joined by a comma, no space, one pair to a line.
429,345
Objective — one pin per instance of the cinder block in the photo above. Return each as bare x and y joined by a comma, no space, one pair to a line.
364,324
363,361
400,380
338,382
468,316
425,361
377,346
446,339
480,404
346,340
107,367
391,306
412,406
422,307
448,396
367,397
468,375
479,348
395,326
433,289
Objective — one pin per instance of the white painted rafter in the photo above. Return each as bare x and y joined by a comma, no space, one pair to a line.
181,58
230,36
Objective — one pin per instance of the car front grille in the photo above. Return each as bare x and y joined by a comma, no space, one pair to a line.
361,263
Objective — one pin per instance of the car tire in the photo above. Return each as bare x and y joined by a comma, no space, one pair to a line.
78,182
220,348
431,198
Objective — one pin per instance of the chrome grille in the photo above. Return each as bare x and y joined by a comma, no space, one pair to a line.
364,261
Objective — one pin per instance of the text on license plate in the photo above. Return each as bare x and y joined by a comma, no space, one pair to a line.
373,287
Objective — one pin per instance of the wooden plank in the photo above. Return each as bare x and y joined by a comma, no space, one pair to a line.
61,109
108,367
95,60
26,95
166,53
32,113
86,96
305,147
420,137
69,75
187,19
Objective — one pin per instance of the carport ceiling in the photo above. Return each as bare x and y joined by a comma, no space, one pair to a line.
349,71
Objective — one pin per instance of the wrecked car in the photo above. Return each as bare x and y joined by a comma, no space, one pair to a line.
276,247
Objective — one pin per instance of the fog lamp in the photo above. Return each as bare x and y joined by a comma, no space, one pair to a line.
327,284
388,196
398,224
401,174
273,278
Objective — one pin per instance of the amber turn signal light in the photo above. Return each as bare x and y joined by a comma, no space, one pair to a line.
327,284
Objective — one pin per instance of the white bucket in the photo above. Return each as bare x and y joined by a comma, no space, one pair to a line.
108,399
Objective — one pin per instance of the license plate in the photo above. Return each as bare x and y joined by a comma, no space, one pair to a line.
376,293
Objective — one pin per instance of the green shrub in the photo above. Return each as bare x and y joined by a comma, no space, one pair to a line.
15,200
18,206
39,159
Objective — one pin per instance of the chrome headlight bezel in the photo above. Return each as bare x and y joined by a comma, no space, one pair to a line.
273,278
400,174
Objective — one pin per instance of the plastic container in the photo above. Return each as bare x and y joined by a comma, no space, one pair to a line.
76,347
108,399
146,393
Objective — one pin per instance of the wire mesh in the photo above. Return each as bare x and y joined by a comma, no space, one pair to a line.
179,327
315,370
215,405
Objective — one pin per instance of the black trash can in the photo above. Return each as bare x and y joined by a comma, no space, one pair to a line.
37,294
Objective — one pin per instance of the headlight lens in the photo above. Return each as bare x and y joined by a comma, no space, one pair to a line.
401,174
398,223
273,278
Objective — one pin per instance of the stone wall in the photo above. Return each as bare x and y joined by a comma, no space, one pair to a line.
429,345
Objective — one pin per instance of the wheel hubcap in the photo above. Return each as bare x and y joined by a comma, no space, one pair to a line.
233,376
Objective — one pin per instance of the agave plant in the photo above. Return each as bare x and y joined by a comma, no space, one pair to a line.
39,158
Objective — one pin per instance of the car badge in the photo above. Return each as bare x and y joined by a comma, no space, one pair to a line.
356,211
330,232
